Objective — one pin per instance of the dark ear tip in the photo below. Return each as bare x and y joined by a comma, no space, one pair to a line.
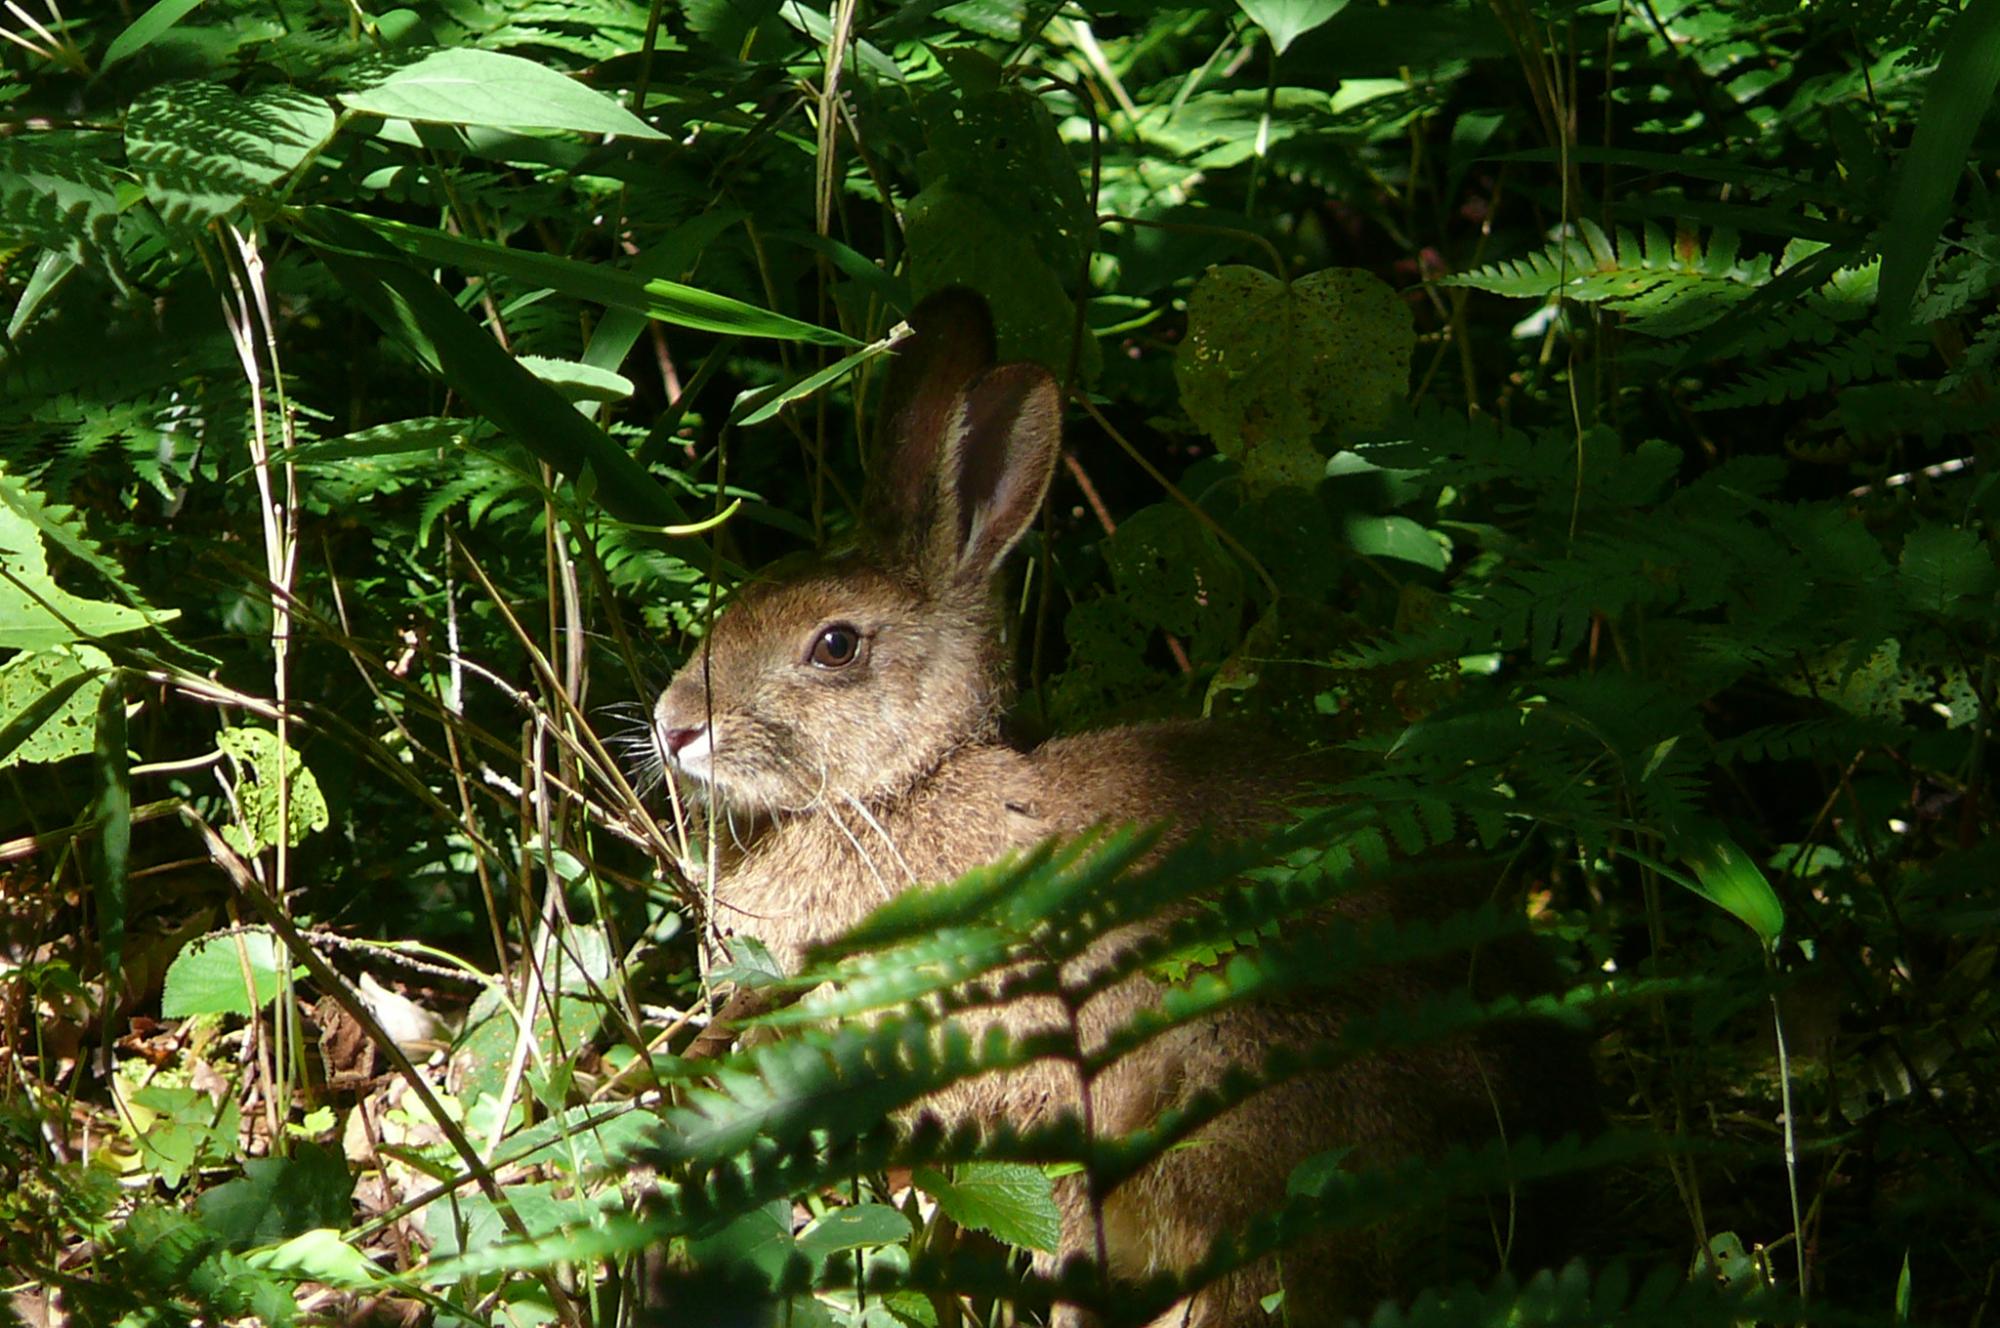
957,310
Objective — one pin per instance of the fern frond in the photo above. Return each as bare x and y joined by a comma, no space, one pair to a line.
1867,354
1665,286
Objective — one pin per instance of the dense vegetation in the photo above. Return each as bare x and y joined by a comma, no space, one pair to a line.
1580,415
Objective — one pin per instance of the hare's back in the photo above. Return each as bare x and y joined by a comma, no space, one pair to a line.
1187,773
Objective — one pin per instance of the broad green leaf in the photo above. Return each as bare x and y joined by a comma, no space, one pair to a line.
852,1227
206,977
1956,100
320,1255
1944,567
760,1239
36,613
468,86
1173,574
201,149
48,703
1394,537
995,147
278,1198
578,382
667,301
1284,21
24,514
142,30
1267,367
1008,1201
259,762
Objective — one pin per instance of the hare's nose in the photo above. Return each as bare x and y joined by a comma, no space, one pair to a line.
675,739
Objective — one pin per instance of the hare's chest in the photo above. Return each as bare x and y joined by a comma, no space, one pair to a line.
808,880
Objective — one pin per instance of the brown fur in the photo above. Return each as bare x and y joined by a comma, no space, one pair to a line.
889,771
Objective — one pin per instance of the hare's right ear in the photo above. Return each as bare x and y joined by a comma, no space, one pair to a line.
997,468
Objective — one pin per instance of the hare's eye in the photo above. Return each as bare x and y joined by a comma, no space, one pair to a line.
836,647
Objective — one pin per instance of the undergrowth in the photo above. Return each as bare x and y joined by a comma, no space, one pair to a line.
1576,419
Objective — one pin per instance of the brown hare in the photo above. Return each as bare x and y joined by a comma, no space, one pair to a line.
847,711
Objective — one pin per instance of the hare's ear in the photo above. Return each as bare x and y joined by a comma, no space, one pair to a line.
951,341
997,468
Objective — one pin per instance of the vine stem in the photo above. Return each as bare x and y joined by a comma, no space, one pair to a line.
1213,527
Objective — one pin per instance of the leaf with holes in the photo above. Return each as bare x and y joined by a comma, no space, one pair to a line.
1267,367
259,758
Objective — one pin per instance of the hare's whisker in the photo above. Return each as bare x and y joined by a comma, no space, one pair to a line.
876,825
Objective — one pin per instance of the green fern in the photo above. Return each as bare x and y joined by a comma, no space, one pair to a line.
1665,286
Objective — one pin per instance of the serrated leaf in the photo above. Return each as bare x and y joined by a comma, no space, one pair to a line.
1267,367
852,1227
1943,566
1008,1201
278,1198
467,86
206,977
578,382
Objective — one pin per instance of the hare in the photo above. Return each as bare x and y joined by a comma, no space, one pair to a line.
849,708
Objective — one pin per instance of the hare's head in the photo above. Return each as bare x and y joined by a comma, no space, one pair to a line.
853,675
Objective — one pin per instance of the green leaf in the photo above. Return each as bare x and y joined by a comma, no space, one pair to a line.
1956,99
1394,537
761,1239
206,977
1942,567
57,194
36,613
756,407
111,810
48,704
467,86
320,1255
260,762
956,239
413,309
142,30
852,1227
578,382
667,301
1172,573
1731,879
1284,21
1268,365
278,1198
1007,1200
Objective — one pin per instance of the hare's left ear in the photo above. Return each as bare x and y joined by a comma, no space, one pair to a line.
996,469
